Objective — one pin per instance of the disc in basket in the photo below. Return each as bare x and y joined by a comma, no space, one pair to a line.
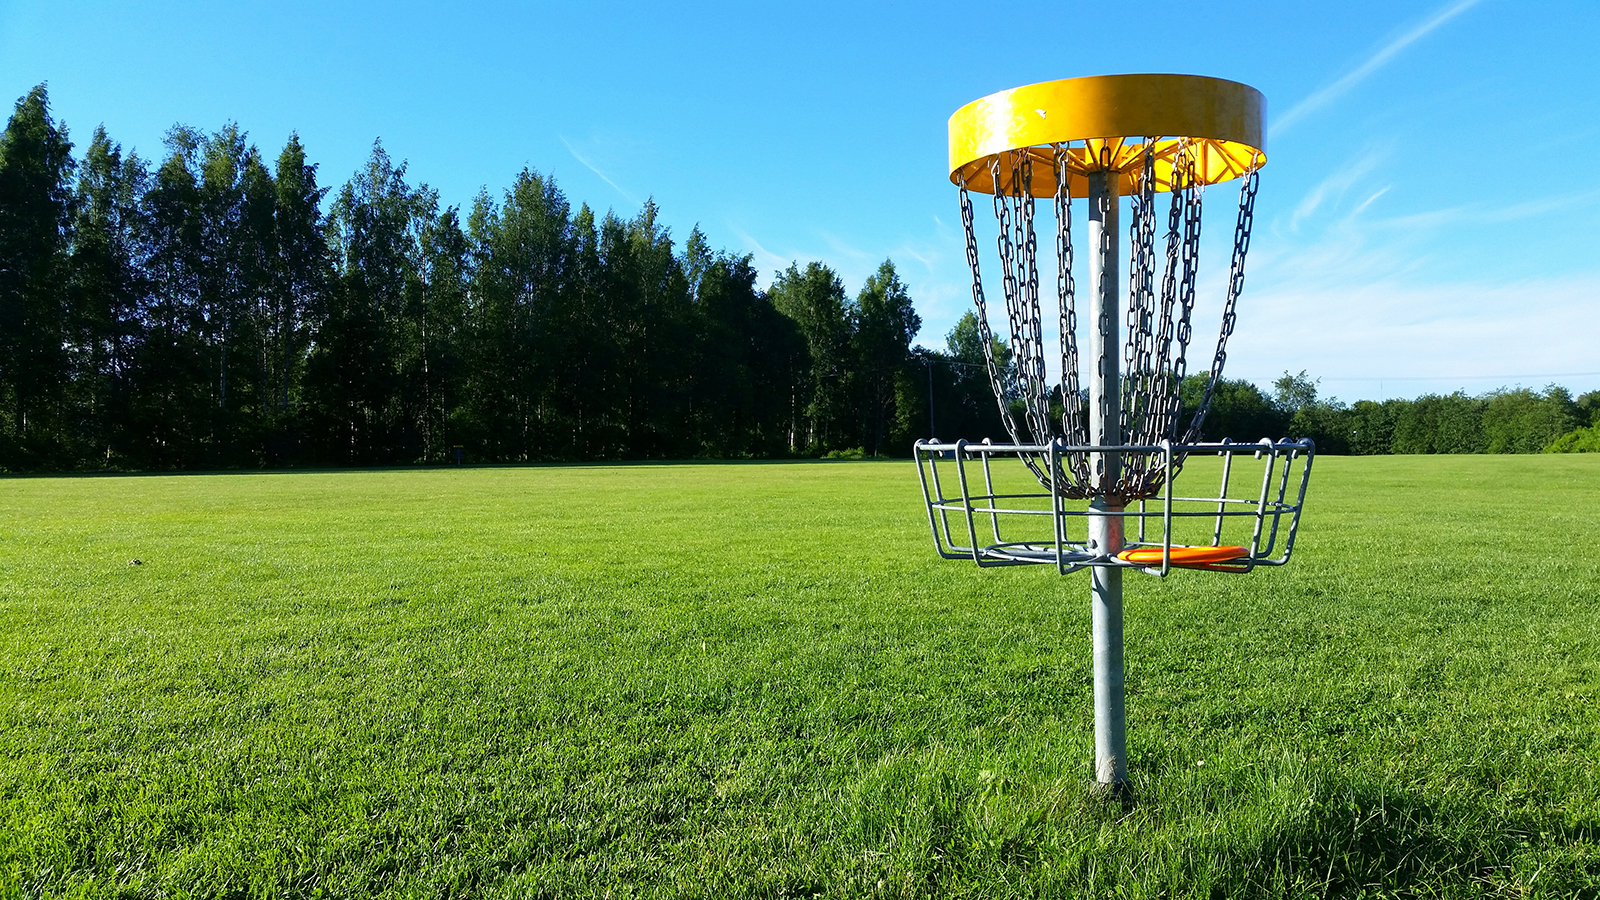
1184,556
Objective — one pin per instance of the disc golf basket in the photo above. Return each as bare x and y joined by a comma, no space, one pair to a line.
1095,488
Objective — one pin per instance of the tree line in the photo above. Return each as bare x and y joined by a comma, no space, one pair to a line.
1515,420
213,310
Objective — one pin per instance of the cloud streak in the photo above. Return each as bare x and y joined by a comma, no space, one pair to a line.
1478,214
764,259
1341,180
1389,51
596,170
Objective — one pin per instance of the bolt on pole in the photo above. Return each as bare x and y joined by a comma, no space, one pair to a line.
1105,531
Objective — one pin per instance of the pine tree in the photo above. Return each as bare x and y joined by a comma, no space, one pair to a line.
437,313
254,419
748,361
651,321
35,214
885,325
355,366
815,300
237,251
109,289
172,410
300,276
582,353
534,338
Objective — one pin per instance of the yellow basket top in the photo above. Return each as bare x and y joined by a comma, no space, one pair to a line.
1104,121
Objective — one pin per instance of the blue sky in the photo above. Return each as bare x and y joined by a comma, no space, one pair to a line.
1428,218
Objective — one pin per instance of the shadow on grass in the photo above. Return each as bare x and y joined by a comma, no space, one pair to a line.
1365,841
1217,840
1362,841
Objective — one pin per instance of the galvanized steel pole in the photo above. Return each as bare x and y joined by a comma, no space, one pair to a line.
1105,531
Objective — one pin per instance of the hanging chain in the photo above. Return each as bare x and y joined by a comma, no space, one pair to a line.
1137,383
1241,246
1167,387
1194,197
1005,246
1073,427
1030,349
1018,255
985,336
1104,287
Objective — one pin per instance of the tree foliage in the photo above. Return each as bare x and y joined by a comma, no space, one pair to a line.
212,310
36,206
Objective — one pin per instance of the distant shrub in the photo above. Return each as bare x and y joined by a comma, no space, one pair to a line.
1524,421
1581,440
1440,424
852,453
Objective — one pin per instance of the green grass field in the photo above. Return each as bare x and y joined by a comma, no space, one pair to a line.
758,680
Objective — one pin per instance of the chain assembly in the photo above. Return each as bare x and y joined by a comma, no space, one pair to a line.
1161,296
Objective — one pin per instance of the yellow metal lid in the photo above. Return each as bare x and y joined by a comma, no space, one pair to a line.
1105,121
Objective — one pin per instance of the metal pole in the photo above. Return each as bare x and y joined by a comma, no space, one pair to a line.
1105,531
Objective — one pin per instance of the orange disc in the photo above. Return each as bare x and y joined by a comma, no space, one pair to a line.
1183,556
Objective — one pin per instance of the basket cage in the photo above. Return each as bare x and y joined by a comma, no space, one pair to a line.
1006,515
1107,465
1022,515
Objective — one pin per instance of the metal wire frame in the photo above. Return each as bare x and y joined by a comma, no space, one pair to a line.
1271,512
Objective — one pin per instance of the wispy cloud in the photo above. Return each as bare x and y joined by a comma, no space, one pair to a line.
928,259
765,260
1332,187
596,170
1374,63
1478,214
841,247
1369,201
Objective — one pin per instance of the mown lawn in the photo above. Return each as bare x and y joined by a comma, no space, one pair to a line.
757,680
